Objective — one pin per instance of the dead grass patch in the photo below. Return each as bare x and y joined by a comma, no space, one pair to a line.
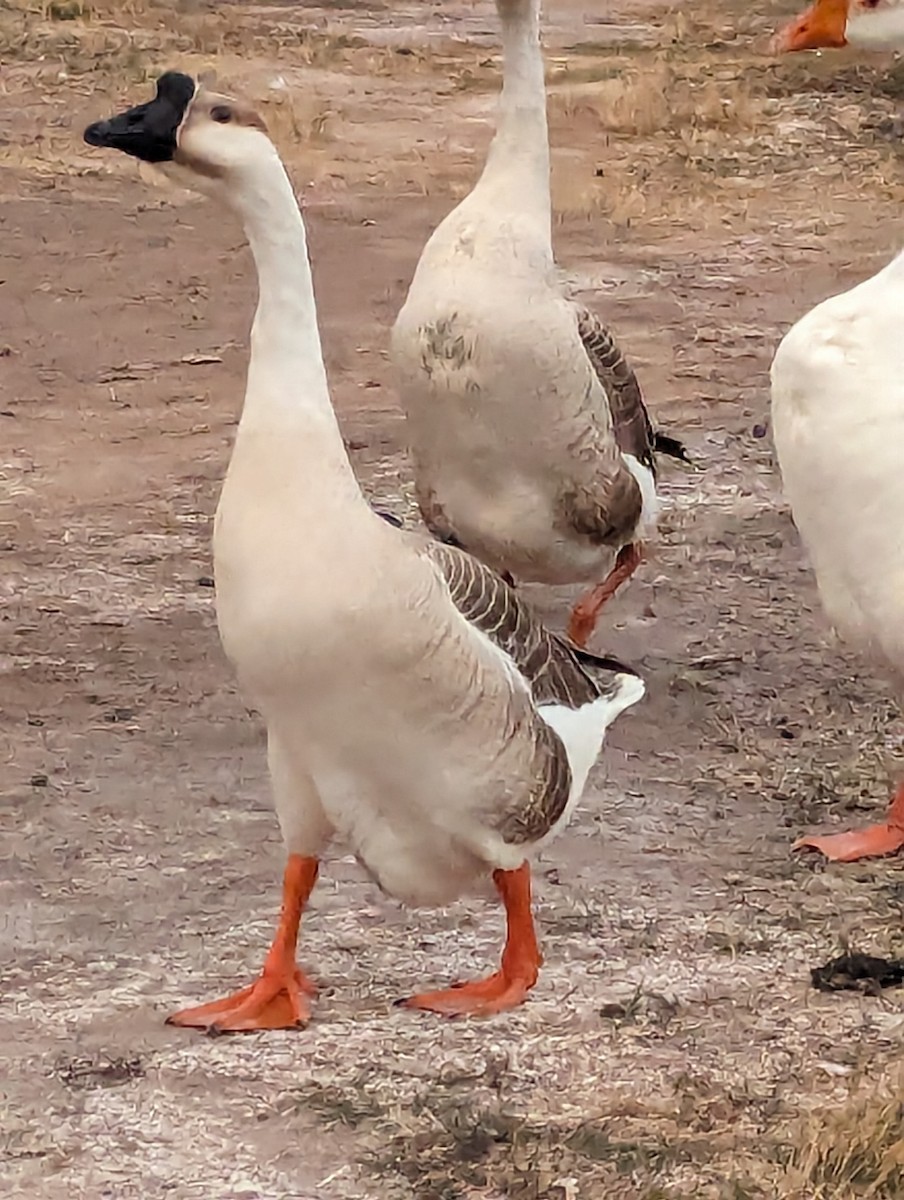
127,39
463,1137
851,1151
651,124
659,98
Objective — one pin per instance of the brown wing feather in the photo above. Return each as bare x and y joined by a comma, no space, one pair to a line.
529,820
630,419
432,512
556,671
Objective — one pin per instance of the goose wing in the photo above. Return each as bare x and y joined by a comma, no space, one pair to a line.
556,671
558,674
631,422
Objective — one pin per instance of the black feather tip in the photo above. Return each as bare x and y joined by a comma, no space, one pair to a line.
672,448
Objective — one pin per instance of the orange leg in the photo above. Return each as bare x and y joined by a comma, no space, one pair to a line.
871,842
278,999
521,961
585,613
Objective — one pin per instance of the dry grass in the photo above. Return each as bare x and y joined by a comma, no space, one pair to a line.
660,97
125,41
704,132
297,70
463,1136
853,1150
664,118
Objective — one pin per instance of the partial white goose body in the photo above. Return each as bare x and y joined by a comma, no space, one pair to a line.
414,706
530,442
838,420
838,405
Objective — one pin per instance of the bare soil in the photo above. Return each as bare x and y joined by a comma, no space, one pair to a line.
706,196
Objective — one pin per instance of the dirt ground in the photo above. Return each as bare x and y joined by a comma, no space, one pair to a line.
706,196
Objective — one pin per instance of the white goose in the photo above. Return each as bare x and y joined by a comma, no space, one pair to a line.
530,442
838,419
413,705
831,24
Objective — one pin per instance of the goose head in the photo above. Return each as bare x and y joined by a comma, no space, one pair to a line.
201,139
831,24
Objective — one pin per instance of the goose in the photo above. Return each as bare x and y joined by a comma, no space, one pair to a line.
837,410
414,705
529,438
838,421
831,24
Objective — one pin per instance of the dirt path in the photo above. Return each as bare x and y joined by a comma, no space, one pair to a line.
673,1043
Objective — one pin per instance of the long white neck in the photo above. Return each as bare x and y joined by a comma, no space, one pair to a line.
517,168
287,397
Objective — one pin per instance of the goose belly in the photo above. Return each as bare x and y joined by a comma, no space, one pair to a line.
411,855
838,420
407,801
852,530
504,418
513,524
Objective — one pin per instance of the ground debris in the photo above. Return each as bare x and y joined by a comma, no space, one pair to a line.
100,1070
855,972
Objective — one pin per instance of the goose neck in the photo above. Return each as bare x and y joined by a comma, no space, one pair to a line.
287,393
519,155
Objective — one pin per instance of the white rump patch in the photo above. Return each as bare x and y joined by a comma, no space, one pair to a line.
647,484
583,729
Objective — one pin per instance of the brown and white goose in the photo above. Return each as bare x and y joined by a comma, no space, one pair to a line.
531,444
414,706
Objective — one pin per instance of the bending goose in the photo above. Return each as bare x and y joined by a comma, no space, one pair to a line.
414,706
838,416
831,24
530,441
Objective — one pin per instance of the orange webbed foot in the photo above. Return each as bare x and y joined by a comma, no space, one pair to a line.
272,1002
873,842
508,987
278,999
481,998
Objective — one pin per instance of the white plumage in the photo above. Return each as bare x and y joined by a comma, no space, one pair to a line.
838,420
582,731
415,708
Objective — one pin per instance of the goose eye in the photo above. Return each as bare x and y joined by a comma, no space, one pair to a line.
221,114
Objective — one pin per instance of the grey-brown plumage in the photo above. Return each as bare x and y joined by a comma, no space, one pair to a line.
605,513
607,509
432,512
634,431
528,821
556,671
